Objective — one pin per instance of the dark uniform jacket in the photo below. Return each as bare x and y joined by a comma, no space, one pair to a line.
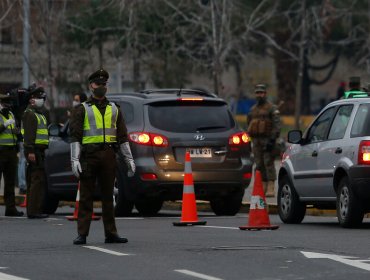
78,116
29,122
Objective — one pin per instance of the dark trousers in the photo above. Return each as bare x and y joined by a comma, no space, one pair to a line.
264,160
98,166
36,184
8,168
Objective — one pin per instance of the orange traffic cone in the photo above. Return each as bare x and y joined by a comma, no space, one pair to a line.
258,216
189,209
24,203
75,212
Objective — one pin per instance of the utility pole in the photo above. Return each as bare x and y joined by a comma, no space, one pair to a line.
302,46
26,43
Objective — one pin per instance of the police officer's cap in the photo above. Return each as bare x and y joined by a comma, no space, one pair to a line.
100,76
5,97
38,92
260,88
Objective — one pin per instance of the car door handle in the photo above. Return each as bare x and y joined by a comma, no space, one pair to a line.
314,153
219,153
338,150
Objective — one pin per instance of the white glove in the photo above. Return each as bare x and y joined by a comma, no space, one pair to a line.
9,122
75,158
127,156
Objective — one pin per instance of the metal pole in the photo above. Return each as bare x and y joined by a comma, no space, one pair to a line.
26,43
298,90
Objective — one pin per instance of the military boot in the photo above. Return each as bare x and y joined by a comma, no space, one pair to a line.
270,189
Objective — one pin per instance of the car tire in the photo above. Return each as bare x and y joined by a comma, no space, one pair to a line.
50,204
291,210
149,206
124,205
228,206
350,211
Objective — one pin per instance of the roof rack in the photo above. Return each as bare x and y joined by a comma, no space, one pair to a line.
180,91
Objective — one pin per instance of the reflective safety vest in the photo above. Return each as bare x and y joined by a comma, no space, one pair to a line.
7,137
42,135
98,128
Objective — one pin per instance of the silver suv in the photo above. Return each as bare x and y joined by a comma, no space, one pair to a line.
328,167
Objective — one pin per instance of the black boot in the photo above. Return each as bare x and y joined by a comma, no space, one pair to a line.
13,213
80,240
37,216
115,238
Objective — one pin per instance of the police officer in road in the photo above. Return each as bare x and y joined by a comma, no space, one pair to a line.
264,128
8,154
36,141
97,131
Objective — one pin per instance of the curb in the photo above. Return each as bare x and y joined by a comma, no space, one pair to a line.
202,206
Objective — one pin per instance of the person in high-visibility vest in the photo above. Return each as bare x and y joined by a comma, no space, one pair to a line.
8,154
98,130
36,141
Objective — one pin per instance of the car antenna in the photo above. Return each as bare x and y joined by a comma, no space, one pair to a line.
179,93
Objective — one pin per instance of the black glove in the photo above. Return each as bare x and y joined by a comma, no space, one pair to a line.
270,145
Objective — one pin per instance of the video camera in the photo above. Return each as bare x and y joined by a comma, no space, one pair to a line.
21,96
19,99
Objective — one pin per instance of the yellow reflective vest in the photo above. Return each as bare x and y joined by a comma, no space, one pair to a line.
42,135
98,128
7,137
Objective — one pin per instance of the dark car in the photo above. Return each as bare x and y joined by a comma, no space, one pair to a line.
163,125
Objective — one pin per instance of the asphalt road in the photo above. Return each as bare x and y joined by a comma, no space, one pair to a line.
43,249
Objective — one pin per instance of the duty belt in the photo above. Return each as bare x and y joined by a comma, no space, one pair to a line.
98,147
8,148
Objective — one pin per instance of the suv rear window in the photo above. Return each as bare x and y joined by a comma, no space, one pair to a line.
190,116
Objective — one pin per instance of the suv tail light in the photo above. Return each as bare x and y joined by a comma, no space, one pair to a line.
364,152
238,139
148,139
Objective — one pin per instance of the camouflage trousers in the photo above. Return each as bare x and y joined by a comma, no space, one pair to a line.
264,160
97,167
8,169
36,184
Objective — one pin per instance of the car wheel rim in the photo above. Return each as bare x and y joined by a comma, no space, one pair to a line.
343,202
286,199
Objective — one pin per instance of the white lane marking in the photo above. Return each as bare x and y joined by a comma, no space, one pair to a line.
4,276
196,274
342,259
219,227
105,251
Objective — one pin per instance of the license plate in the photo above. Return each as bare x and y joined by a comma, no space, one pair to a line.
200,152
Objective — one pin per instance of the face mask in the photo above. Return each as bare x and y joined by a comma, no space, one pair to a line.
100,91
260,100
39,102
75,103
4,110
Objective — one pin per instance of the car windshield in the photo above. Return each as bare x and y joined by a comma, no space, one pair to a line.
190,116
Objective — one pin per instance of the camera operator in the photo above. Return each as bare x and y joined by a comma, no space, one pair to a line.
8,154
36,141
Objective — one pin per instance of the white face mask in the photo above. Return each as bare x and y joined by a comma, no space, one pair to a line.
75,103
39,102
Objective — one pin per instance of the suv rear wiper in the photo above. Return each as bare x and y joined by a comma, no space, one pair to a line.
210,127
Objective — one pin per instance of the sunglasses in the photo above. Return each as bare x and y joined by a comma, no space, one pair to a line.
101,83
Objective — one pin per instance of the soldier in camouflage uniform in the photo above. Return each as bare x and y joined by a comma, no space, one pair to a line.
36,141
264,128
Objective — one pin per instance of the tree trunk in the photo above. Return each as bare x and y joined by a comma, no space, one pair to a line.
286,75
